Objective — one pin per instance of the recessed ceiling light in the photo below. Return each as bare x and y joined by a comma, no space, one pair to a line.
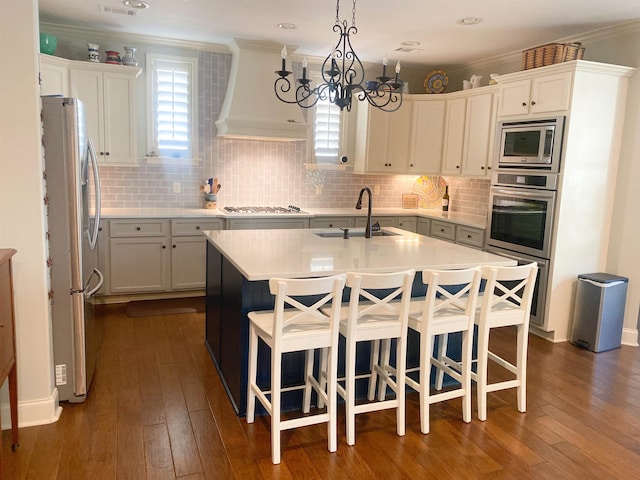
287,26
469,21
139,4
410,43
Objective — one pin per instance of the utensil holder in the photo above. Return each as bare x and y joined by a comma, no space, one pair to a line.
210,201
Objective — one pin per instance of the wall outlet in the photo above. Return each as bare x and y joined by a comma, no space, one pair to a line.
176,187
376,189
61,374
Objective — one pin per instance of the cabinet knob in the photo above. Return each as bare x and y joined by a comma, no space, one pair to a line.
197,227
457,166
107,154
533,103
164,246
331,225
488,168
411,165
481,168
138,228
174,246
101,153
468,236
524,104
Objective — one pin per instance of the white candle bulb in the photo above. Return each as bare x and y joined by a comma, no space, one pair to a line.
385,60
334,53
283,53
398,67
304,62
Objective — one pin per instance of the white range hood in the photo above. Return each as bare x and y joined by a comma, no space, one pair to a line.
251,108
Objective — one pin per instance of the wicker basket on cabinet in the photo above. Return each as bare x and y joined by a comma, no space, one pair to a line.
550,54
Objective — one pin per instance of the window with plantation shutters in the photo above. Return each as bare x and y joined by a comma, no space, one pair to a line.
173,106
326,132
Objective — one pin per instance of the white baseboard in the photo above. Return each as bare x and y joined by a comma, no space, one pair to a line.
35,412
630,337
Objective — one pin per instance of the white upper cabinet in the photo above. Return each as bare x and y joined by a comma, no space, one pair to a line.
538,94
427,131
54,76
469,129
108,97
382,139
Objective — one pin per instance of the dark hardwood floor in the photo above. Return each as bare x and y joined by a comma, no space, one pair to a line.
157,410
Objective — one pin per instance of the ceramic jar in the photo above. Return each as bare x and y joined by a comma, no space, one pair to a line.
113,57
94,54
130,57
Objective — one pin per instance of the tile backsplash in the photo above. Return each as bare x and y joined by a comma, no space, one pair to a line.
256,172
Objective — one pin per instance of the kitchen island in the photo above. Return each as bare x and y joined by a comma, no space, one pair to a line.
240,263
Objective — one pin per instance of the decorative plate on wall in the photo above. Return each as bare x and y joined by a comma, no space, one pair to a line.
430,191
436,81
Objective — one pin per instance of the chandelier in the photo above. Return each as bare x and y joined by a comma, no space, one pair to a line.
342,77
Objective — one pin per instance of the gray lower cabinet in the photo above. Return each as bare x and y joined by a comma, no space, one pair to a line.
189,252
332,222
382,221
443,230
266,223
137,257
409,224
423,226
156,255
470,236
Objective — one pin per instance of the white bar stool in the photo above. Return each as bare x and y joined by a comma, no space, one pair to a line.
448,307
297,328
370,318
506,301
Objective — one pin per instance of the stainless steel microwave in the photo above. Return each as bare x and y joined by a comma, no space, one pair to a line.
535,144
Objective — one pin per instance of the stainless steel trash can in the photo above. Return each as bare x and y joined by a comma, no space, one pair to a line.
598,313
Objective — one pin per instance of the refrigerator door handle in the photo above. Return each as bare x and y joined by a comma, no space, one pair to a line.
93,241
89,294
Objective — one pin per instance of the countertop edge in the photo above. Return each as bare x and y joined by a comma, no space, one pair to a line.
475,221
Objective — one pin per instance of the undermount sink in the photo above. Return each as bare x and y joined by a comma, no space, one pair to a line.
355,233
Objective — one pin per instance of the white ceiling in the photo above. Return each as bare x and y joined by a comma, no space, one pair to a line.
506,26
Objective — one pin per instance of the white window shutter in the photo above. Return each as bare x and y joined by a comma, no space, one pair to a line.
326,132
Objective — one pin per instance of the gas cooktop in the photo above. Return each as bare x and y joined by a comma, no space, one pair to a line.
260,210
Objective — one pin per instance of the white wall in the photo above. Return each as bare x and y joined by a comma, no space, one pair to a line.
22,214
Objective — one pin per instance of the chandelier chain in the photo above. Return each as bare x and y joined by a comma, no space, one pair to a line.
353,20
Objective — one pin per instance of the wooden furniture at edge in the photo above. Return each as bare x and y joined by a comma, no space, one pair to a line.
8,341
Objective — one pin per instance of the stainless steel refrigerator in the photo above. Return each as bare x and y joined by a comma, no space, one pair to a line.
73,221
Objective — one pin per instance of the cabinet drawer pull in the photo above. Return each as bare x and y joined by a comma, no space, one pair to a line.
138,228
469,236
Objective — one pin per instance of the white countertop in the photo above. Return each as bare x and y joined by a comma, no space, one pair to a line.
262,254
468,220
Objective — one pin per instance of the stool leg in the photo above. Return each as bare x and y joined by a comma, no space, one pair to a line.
374,360
401,376
426,350
350,386
308,362
521,367
481,375
443,341
253,368
276,383
385,354
467,345
332,398
323,373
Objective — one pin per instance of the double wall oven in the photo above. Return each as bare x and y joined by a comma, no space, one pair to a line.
523,196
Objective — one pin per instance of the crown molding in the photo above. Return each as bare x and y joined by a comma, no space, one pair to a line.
585,38
107,35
